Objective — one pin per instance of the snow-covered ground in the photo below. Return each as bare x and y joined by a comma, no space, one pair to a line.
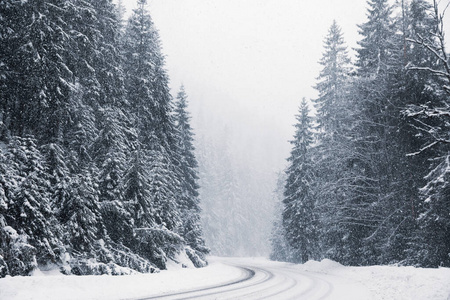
51,285
390,282
331,279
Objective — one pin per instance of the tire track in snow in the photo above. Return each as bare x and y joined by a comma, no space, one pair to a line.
247,274
272,280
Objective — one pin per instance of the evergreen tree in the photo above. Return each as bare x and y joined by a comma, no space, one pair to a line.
163,191
380,138
95,58
107,61
107,172
299,214
110,151
406,89
431,247
29,213
4,205
375,54
334,153
101,101
280,247
153,179
17,256
141,46
36,79
365,178
79,215
333,78
434,220
139,81
189,200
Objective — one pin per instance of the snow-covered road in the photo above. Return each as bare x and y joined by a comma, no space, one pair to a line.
262,279
240,278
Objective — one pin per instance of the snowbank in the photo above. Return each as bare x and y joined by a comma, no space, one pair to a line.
52,285
391,282
383,282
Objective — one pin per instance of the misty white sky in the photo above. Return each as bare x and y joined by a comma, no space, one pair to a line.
246,64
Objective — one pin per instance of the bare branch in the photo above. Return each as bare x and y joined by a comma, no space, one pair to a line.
422,149
436,72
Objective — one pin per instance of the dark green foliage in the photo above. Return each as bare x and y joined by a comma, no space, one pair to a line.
110,151
37,80
434,221
158,244
89,152
281,251
189,202
299,218
157,183
29,225
430,119
79,213
380,162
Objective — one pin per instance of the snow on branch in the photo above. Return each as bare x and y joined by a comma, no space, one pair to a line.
436,46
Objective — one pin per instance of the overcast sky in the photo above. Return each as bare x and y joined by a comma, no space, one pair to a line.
248,63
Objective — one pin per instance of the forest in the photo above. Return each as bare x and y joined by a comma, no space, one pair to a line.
99,173
367,181
97,167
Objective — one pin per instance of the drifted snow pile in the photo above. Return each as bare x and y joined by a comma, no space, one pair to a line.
390,282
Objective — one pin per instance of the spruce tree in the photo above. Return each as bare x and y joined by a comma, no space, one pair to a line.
407,89
299,214
29,212
333,78
189,200
378,140
431,247
377,44
152,179
111,149
140,49
333,153
105,166
79,215
280,250
37,79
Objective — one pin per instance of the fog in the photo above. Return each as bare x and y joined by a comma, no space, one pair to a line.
248,63
246,66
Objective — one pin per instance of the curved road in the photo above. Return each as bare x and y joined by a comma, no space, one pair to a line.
272,280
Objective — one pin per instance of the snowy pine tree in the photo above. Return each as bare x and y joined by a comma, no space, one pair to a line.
299,214
105,161
333,153
281,251
333,78
37,78
33,231
191,229
153,178
431,246
381,156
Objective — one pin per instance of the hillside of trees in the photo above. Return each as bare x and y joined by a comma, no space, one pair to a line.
367,181
235,191
97,166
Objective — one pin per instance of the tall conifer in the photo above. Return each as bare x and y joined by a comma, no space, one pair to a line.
189,200
299,215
